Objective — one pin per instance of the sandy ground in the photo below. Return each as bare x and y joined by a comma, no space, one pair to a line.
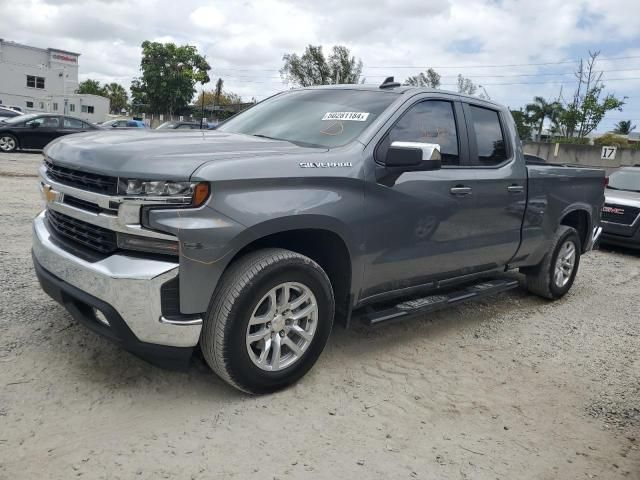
514,388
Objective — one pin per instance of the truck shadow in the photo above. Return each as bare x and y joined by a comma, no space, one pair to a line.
107,367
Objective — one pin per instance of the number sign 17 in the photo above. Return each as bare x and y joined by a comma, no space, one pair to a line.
608,153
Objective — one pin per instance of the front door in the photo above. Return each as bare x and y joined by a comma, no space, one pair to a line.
39,131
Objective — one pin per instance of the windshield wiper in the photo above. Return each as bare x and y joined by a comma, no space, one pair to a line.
265,136
295,142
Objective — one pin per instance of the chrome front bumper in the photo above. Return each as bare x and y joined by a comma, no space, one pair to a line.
130,285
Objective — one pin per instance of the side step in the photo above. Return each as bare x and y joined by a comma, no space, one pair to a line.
432,303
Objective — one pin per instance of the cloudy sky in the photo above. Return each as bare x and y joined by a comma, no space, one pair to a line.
515,49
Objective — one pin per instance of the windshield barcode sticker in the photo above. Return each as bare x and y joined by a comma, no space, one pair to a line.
352,116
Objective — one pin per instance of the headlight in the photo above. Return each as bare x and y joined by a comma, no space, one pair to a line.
194,194
154,187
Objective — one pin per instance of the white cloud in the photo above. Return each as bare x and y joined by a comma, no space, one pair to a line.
207,17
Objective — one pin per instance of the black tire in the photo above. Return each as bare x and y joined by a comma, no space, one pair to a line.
540,279
10,140
246,281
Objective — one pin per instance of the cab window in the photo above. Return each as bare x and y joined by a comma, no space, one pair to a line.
431,121
489,137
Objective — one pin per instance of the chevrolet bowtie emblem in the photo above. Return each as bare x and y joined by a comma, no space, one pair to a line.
50,195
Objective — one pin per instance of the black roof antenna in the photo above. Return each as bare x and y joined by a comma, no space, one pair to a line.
389,83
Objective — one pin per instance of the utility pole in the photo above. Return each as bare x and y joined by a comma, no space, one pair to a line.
202,108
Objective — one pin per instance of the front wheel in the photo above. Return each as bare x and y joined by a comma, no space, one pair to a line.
554,276
268,321
8,143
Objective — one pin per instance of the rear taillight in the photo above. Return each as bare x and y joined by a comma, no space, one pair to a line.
606,182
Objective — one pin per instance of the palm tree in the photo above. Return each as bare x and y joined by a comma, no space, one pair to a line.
624,127
117,96
540,109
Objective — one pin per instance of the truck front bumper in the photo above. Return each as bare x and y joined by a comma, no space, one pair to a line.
621,240
125,290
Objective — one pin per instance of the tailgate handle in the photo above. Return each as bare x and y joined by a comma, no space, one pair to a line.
515,189
460,190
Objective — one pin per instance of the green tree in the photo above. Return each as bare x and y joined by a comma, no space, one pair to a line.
343,66
313,68
466,86
169,75
540,110
590,103
221,98
430,78
611,139
117,96
624,127
523,124
91,87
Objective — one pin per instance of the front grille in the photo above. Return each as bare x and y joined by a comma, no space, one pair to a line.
622,214
82,204
96,238
83,180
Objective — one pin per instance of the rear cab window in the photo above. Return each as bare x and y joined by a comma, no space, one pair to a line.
488,134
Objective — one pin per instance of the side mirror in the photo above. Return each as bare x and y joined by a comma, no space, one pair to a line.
413,156
34,125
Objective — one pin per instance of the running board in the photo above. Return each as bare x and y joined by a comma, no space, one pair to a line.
432,303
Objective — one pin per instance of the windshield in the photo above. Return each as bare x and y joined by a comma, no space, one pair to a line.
625,180
20,118
315,118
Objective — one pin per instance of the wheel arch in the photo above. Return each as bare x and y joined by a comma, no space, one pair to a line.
580,219
16,137
324,246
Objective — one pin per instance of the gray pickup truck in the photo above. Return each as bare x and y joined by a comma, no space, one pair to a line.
315,206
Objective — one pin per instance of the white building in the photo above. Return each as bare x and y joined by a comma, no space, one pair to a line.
44,80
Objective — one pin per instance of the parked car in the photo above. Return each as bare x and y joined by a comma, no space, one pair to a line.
123,123
8,113
181,126
621,211
35,130
317,204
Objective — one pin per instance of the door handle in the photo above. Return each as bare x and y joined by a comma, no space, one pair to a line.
515,189
460,190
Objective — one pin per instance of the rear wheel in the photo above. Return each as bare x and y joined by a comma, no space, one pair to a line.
554,276
268,321
8,143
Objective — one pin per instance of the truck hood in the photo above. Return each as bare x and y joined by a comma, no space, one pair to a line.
158,154
622,197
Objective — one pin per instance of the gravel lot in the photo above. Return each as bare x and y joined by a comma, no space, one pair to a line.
513,388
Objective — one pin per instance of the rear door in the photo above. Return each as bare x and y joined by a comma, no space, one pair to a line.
499,184
72,125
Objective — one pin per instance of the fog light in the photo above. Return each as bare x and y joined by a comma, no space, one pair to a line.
147,244
101,317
